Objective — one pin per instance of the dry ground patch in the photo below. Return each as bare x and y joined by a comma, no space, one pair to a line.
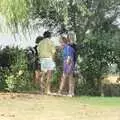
35,107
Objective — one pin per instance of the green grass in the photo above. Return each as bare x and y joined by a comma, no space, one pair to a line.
100,101
36,107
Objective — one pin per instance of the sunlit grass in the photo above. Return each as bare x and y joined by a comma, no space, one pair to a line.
100,101
27,106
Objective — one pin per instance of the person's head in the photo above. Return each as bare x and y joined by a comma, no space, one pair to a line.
69,39
38,39
47,34
63,41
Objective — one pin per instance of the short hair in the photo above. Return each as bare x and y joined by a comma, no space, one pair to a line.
71,36
38,39
64,39
47,34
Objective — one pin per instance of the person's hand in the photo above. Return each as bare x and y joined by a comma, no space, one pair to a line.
68,60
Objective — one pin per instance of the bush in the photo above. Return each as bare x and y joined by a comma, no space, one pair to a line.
3,72
16,76
86,89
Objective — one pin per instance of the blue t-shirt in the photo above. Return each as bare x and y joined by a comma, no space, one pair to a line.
68,51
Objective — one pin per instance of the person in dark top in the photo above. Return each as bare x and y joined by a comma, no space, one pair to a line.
37,63
30,52
37,74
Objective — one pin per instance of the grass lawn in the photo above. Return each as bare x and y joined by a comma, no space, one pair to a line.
101,102
36,107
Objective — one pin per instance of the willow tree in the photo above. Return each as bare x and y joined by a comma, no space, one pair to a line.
97,16
15,12
80,16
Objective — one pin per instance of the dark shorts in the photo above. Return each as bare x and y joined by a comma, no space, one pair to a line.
68,68
37,65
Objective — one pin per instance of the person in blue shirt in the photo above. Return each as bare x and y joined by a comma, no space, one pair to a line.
68,67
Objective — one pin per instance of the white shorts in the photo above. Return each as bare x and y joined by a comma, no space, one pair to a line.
47,64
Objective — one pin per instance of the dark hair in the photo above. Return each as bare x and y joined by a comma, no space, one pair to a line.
47,34
38,39
64,39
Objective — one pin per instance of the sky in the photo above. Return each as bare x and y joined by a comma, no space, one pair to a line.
19,39
23,41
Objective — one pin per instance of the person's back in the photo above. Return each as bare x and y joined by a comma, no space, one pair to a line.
46,49
68,51
46,52
74,46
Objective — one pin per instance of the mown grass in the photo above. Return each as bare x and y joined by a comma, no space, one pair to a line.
100,101
36,107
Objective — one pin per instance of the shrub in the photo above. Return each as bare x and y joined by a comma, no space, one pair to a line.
18,78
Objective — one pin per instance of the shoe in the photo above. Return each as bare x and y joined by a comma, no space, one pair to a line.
49,93
70,95
41,93
59,93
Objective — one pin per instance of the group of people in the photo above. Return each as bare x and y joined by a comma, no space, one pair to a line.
45,62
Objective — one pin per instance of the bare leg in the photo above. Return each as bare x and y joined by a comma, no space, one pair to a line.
37,76
42,82
33,76
63,81
71,85
49,77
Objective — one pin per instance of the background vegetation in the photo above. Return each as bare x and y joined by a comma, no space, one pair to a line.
93,21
